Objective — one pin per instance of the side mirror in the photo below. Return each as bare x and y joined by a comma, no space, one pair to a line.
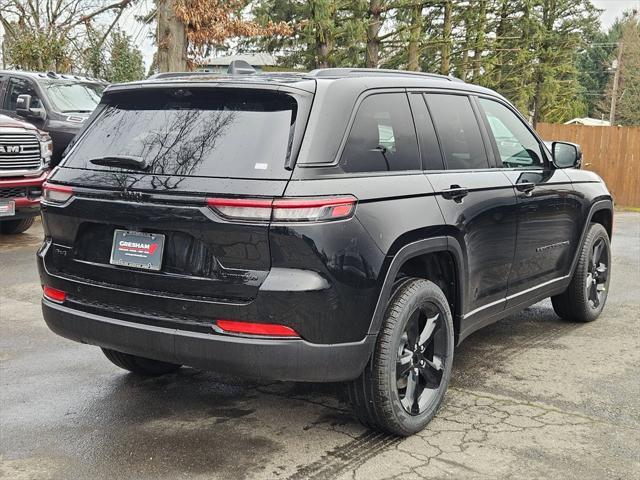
24,109
566,155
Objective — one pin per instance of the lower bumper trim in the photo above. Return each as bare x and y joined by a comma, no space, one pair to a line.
272,359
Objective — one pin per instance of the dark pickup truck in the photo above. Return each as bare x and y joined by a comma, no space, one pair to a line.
58,104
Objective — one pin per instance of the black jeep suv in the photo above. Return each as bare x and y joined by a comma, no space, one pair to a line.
342,225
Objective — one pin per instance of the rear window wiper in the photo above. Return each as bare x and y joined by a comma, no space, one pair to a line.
123,161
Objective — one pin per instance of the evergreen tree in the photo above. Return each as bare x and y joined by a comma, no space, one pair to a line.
627,110
125,60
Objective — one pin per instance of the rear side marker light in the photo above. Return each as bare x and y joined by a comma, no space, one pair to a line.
315,209
248,328
56,193
54,294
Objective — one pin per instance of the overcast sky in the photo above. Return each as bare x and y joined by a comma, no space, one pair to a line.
141,33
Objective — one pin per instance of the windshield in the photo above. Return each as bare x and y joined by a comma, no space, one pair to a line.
209,132
73,97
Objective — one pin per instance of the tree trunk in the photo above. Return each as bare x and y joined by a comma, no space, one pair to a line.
373,29
171,38
322,54
446,39
463,68
413,49
479,44
548,18
500,32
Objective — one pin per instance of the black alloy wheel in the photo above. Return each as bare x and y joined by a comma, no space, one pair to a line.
598,270
420,362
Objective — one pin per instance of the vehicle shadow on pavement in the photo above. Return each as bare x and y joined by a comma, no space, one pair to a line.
222,398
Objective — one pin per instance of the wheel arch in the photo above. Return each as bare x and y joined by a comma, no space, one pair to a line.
406,260
601,212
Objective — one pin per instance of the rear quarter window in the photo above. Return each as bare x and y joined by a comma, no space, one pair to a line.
199,132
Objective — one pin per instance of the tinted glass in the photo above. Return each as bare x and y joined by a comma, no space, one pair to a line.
213,133
429,148
458,131
19,86
382,137
517,146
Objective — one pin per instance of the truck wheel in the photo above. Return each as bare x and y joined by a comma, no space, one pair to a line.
586,295
406,378
139,365
16,226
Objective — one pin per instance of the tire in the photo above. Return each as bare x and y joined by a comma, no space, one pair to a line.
12,227
380,397
586,295
139,365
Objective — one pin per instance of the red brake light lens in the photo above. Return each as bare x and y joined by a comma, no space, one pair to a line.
54,294
285,209
56,193
249,209
248,328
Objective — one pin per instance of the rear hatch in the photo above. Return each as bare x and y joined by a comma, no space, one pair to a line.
148,164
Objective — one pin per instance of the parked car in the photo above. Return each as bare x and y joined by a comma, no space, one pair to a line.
55,103
343,225
25,152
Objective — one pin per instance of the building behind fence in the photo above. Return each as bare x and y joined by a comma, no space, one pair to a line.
611,152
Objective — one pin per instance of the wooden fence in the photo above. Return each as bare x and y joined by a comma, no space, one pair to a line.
611,152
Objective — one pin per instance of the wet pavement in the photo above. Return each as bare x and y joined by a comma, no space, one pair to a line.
531,397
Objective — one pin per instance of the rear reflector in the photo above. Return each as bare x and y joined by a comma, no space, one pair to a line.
54,294
56,193
269,329
285,209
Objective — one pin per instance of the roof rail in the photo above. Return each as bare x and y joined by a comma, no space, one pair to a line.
355,72
156,76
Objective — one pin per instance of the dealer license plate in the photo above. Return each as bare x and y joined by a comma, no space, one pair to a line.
137,249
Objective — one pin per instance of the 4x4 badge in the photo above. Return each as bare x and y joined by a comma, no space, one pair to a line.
133,196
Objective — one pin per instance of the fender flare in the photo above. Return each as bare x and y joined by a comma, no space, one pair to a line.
595,207
429,245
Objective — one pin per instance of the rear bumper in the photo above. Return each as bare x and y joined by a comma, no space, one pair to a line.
274,359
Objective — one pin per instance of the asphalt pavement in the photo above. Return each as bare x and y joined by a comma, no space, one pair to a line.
532,397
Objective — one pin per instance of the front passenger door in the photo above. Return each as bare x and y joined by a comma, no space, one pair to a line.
546,220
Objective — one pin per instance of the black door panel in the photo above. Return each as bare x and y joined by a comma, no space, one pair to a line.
546,226
481,205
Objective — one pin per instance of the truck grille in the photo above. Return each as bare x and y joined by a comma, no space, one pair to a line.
19,151
16,192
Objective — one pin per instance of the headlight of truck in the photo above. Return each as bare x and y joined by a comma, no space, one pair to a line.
46,146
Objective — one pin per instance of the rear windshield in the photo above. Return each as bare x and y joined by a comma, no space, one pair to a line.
213,133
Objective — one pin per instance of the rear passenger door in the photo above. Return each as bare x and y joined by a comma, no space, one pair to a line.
546,220
475,199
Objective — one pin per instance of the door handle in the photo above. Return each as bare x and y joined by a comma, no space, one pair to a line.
455,193
526,187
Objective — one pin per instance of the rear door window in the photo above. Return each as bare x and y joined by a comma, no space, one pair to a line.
458,131
429,147
199,132
382,137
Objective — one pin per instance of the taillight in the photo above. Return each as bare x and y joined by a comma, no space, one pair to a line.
56,193
248,328
250,209
54,294
285,209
